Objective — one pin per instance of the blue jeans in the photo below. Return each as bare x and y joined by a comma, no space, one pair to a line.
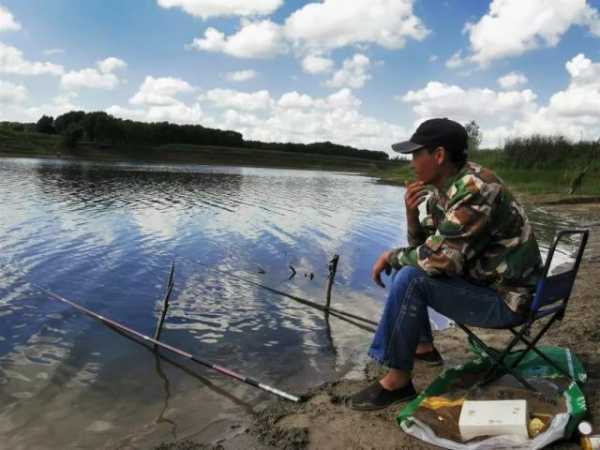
405,320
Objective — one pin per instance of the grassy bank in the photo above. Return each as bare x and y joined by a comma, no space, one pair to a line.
38,145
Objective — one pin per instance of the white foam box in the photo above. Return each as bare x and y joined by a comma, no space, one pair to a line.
493,418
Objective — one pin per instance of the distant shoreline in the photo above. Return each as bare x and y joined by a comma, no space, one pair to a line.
204,155
531,186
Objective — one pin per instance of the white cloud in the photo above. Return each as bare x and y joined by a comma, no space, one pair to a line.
315,64
13,62
433,58
7,21
19,112
573,112
111,64
176,112
236,119
245,101
295,100
213,8
513,27
101,78
438,99
343,99
12,93
337,23
353,74
262,39
582,97
455,61
160,91
583,71
241,75
511,80
337,120
90,79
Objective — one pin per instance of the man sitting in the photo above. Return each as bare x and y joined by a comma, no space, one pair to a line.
473,258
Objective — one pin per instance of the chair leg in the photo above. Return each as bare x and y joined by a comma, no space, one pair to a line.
498,360
531,347
534,341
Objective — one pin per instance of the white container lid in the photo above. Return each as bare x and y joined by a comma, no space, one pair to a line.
493,418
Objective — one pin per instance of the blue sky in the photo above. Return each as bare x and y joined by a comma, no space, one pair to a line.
360,72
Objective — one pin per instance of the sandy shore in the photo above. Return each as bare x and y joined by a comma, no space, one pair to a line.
323,422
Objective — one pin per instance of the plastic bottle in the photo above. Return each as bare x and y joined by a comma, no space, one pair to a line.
589,441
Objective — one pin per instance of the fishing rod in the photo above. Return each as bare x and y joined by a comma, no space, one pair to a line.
333,311
210,365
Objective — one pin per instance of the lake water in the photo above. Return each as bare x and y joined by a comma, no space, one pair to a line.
104,236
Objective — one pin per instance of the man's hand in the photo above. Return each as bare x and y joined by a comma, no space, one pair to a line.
381,265
414,195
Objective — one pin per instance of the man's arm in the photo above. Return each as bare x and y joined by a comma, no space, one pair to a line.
416,232
460,235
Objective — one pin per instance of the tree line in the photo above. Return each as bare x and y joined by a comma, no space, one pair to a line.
104,129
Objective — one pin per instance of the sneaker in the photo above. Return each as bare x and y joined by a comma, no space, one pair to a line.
432,358
376,397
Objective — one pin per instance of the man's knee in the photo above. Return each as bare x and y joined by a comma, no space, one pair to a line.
405,276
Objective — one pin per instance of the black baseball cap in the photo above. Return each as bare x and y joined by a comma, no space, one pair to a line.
434,133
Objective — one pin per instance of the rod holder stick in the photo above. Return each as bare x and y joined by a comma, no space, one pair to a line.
331,278
165,302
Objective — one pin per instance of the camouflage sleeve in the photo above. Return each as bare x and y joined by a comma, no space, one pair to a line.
417,236
461,234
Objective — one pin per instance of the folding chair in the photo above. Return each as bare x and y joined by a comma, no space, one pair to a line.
549,302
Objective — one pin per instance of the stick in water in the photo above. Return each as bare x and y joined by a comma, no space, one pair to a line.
163,313
331,278
216,367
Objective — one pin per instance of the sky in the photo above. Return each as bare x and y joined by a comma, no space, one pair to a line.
363,73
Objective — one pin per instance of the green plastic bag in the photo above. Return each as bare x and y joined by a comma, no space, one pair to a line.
531,367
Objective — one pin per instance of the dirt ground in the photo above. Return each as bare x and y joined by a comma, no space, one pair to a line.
323,422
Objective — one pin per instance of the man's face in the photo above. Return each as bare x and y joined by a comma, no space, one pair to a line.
425,166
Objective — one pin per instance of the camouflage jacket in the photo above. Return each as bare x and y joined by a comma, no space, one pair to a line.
474,228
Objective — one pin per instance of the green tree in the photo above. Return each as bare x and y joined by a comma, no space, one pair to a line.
62,122
90,123
45,125
71,136
474,135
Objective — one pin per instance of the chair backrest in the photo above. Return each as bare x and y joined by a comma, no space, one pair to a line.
554,288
